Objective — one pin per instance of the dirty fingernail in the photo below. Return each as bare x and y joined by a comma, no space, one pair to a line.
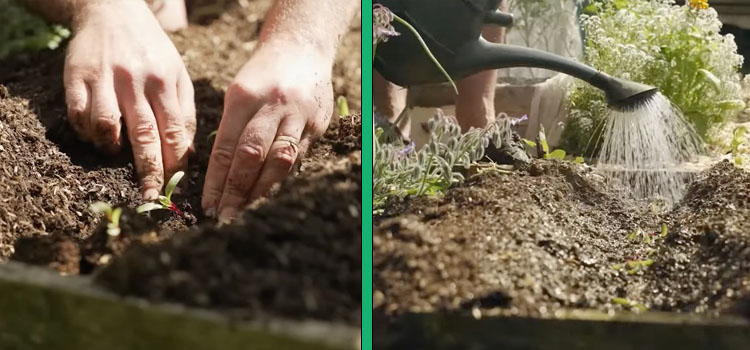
150,194
227,214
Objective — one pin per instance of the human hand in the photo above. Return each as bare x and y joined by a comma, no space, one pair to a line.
279,102
120,62
171,14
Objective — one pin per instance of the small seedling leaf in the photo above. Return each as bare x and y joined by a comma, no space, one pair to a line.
148,207
621,301
557,154
543,140
172,184
578,160
529,142
664,230
115,217
99,207
343,106
164,201
211,134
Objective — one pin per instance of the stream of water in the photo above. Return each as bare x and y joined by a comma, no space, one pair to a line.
643,149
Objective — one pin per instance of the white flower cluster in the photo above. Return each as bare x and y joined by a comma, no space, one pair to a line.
676,48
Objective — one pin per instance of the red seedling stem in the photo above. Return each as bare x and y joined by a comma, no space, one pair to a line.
174,208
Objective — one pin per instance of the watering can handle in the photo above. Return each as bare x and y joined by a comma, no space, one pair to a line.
499,18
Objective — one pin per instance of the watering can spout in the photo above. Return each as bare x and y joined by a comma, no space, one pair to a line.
483,55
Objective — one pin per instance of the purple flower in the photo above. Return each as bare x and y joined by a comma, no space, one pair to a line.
406,150
381,24
518,120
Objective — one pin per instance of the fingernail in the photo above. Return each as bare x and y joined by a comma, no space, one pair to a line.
227,214
150,194
211,212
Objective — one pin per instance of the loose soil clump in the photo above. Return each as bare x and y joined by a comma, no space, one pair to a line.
48,179
557,236
298,254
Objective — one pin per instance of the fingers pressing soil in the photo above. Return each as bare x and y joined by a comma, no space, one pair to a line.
298,255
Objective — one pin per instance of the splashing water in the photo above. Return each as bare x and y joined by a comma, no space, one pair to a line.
644,147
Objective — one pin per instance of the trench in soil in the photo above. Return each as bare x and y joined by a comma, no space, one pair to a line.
296,254
555,236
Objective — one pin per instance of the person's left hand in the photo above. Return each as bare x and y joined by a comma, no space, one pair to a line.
279,102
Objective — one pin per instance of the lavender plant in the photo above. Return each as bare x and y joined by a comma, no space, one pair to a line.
677,48
404,170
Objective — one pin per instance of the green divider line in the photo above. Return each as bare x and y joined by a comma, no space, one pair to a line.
367,174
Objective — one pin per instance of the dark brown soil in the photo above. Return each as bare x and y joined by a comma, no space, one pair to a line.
298,255
48,179
550,237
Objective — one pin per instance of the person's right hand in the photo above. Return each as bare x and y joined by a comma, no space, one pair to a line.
121,65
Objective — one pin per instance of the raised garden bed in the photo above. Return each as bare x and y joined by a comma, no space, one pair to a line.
534,244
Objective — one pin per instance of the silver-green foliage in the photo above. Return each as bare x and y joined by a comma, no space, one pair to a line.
402,170
22,31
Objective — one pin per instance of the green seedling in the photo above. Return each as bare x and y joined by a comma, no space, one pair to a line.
211,135
633,266
545,150
738,139
165,202
627,303
112,215
343,106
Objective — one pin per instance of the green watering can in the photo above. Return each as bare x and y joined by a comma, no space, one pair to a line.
452,30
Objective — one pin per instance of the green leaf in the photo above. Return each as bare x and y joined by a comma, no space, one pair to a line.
730,105
579,160
148,207
100,207
557,154
164,201
114,219
529,142
343,106
621,301
664,230
172,184
711,79
543,140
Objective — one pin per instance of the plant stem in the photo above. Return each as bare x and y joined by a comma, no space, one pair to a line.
426,49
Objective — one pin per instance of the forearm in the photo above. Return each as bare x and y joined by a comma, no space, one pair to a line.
315,24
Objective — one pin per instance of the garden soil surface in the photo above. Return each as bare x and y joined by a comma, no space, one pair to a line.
555,236
296,254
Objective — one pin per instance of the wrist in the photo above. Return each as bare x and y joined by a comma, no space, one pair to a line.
81,11
300,45
299,53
